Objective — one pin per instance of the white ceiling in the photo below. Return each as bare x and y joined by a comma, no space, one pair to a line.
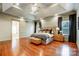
45,9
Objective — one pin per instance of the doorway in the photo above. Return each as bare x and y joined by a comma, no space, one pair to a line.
15,33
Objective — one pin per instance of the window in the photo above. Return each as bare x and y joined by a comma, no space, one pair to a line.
65,27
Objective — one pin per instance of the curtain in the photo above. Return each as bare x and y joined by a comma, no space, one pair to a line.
35,24
40,25
59,24
72,28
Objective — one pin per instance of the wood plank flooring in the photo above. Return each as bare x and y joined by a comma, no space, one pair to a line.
25,48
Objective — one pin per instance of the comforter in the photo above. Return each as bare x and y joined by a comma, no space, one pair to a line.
46,38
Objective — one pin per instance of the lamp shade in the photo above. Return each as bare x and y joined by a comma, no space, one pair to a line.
57,28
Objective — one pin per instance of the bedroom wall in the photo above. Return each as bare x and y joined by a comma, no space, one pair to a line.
77,29
5,27
50,22
53,22
26,28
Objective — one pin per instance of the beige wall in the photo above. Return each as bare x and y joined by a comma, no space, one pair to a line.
50,22
53,22
5,27
77,29
26,28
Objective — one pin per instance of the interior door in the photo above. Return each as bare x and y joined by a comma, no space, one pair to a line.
15,33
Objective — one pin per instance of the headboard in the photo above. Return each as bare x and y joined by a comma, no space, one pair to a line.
46,30
51,30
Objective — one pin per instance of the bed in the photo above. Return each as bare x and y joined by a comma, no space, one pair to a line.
44,36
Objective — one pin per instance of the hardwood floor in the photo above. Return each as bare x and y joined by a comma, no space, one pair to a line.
25,48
